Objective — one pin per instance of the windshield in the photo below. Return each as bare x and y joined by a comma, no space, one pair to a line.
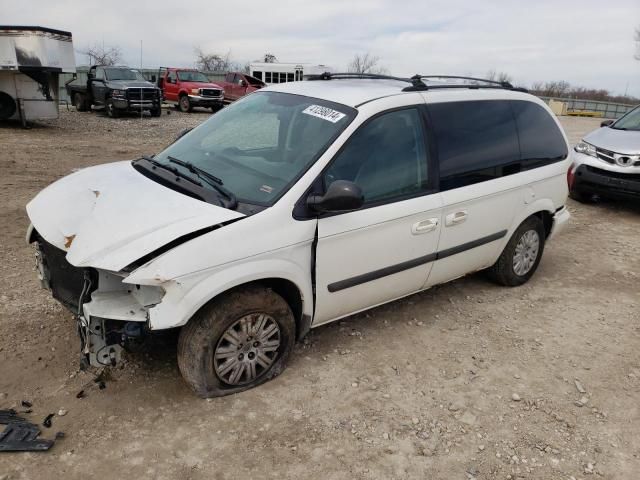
631,121
189,76
259,145
123,74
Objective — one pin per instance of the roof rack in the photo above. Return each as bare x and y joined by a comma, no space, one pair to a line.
347,75
417,83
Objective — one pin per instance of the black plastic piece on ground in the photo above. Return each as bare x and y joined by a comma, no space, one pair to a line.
26,404
20,435
80,394
47,420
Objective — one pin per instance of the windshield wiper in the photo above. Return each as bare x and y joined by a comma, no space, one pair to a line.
171,169
211,179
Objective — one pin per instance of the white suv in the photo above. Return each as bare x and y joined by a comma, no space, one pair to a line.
298,205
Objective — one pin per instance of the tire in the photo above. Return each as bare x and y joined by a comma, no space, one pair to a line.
156,112
506,271
581,197
112,111
185,104
8,106
80,102
208,344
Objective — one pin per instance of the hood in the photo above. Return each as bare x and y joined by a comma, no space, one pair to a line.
200,85
619,141
110,215
130,84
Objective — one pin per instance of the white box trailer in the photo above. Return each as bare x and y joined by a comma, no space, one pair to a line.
285,72
31,60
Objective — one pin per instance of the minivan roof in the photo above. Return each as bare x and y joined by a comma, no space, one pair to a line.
357,91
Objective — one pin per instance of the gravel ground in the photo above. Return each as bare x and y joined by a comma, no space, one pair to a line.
466,380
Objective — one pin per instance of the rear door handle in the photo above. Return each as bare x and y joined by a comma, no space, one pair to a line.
424,226
456,217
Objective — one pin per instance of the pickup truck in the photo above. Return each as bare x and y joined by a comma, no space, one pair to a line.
118,90
190,88
238,85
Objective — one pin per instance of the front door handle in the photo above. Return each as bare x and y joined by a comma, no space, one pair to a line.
456,218
424,226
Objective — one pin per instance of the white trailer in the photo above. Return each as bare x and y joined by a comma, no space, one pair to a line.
285,72
31,60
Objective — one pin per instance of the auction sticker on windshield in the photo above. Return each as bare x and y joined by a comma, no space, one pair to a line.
324,113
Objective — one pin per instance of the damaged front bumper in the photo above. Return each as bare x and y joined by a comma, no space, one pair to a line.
109,313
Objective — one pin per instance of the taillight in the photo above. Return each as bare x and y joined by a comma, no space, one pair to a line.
571,176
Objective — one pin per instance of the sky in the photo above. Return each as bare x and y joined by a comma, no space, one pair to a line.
588,42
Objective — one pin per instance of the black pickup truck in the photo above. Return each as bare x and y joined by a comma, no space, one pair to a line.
118,90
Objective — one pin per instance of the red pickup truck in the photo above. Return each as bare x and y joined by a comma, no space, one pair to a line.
238,85
187,88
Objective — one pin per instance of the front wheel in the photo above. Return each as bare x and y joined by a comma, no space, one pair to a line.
236,342
520,258
112,111
185,104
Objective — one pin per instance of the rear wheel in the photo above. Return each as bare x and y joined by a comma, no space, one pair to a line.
520,258
112,111
7,106
185,104
237,342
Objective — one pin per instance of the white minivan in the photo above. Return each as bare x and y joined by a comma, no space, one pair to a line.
298,205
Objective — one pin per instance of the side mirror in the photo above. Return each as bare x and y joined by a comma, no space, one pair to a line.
243,83
153,78
341,196
606,123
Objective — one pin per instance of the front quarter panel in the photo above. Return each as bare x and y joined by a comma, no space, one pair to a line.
270,244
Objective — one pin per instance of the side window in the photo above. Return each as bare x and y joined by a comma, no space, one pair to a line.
386,157
477,141
99,73
229,77
541,141
172,77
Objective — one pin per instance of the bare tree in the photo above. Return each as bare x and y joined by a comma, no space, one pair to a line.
365,63
213,62
499,76
636,38
103,55
269,58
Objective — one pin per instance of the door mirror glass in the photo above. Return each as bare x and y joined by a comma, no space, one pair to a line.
341,196
243,83
606,123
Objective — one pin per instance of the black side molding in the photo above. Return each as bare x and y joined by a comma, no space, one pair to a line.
399,267
383,272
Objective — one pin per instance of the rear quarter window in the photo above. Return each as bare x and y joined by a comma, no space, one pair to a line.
541,141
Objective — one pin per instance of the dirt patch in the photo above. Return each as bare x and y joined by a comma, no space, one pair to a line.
466,380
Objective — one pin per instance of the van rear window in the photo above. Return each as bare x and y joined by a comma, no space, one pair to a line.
475,140
486,139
